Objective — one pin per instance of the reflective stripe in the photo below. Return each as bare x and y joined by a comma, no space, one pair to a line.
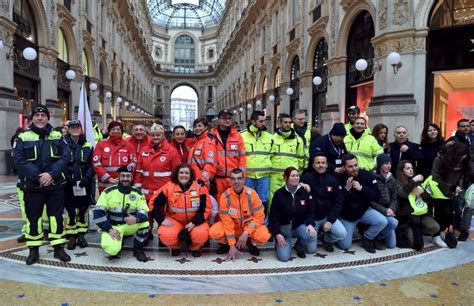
139,171
231,236
104,177
231,153
101,219
205,174
182,210
278,170
106,185
258,207
162,174
145,191
285,154
249,202
223,212
111,168
140,239
146,173
99,207
258,169
98,164
116,218
116,209
253,225
362,154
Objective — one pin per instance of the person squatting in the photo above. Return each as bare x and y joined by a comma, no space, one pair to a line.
243,189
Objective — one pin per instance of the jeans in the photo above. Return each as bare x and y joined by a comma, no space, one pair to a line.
371,217
261,186
337,232
387,235
304,242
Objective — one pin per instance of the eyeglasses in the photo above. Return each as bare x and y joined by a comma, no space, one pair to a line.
464,126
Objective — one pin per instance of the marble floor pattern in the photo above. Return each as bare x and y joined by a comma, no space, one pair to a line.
263,279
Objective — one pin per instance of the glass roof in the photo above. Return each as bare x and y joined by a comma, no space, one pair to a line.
190,14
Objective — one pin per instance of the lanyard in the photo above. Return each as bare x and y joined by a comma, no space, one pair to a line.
338,150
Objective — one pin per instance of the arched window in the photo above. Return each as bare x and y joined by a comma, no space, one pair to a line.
184,52
85,63
23,16
295,69
319,91
450,13
61,46
277,78
264,85
295,84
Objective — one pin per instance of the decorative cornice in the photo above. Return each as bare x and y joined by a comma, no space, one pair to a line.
407,41
336,66
319,25
87,37
63,13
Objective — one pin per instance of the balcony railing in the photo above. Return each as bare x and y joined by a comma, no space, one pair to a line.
184,70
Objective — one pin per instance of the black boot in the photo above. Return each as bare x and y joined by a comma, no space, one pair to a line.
81,241
463,237
253,250
60,254
222,249
33,257
300,254
196,253
367,245
71,244
21,239
328,246
140,255
175,252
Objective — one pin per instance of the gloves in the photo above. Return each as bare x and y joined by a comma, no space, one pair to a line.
83,183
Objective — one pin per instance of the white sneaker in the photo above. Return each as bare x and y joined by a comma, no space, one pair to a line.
439,242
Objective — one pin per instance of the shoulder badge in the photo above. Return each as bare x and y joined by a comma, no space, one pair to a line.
132,197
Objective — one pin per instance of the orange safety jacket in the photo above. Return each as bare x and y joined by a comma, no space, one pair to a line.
181,205
202,158
244,211
232,155
155,167
138,146
108,157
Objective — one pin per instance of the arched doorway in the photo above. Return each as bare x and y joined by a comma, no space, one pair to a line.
360,86
320,70
449,65
295,84
184,106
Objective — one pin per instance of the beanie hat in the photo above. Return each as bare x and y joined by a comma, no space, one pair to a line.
338,129
382,159
125,168
40,109
114,124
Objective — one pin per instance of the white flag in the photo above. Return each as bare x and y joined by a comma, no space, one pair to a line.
84,115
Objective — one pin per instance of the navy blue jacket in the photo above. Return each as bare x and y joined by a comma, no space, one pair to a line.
79,167
285,210
413,154
38,151
325,145
327,195
356,202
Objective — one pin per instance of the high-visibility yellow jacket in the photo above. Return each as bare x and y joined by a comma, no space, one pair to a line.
366,148
287,151
257,149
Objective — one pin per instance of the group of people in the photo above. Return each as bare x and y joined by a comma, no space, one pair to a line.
244,188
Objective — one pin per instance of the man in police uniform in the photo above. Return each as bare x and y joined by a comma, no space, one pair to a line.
41,156
120,211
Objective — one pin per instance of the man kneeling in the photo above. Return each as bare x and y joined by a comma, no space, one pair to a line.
242,216
122,211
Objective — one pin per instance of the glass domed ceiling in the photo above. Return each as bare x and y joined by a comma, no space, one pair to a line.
190,14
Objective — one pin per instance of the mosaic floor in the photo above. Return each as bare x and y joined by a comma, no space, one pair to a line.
91,269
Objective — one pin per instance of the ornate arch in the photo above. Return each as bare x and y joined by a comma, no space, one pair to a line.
106,76
262,78
179,83
42,27
422,13
286,74
91,61
65,26
271,80
352,12
313,43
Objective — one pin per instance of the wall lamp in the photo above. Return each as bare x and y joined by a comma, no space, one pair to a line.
361,65
394,59
29,54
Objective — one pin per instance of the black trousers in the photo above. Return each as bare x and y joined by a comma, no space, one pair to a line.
443,213
34,203
77,211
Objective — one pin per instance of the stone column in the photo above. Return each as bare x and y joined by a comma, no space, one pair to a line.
396,100
49,92
336,93
284,98
306,94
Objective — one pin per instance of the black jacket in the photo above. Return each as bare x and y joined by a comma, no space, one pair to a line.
37,151
413,154
327,195
285,210
429,151
357,202
79,167
333,153
388,188
460,137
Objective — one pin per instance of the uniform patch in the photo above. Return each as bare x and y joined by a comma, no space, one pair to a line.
107,149
210,154
145,154
234,147
162,159
194,193
329,188
197,152
374,182
122,150
132,197
125,159
96,158
232,211
303,202
195,203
